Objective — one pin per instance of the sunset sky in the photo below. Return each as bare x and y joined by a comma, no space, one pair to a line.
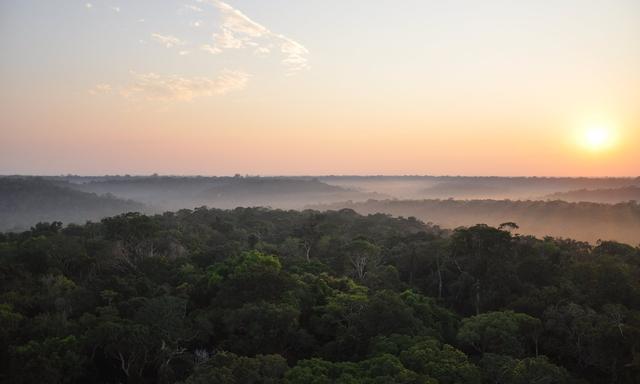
298,87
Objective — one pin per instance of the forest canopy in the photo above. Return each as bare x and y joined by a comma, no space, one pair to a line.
254,295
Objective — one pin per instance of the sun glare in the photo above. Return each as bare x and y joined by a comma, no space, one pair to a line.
598,138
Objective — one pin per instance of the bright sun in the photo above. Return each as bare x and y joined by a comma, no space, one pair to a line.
598,138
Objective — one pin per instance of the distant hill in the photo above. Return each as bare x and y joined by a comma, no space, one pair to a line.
174,192
462,189
160,192
25,201
279,192
582,221
474,187
610,195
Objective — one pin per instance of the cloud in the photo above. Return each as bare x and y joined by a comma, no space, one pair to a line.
101,89
211,49
227,40
166,40
183,53
153,86
262,51
238,31
295,54
196,24
115,9
88,5
192,7
238,22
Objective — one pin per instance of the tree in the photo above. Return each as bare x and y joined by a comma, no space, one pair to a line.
363,257
261,328
53,360
507,370
483,257
254,276
497,332
229,368
440,361
166,319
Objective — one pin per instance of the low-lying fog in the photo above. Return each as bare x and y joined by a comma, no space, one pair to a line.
580,208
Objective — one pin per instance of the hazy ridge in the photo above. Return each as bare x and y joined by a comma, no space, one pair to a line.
609,195
582,221
27,201
559,210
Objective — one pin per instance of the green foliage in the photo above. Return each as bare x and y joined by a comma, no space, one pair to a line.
53,360
507,370
254,295
229,368
379,369
442,362
497,332
261,327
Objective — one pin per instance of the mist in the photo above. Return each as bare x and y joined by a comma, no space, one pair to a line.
586,209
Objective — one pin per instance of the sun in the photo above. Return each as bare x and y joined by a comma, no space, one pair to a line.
598,138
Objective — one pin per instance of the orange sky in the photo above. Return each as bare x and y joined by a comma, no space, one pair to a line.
460,88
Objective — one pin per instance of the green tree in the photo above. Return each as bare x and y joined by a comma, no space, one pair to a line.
497,332
228,368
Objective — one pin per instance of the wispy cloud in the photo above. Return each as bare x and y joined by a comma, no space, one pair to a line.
238,31
228,40
210,48
166,40
262,51
156,87
101,89
192,7
295,54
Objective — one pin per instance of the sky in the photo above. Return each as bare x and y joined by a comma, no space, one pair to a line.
384,87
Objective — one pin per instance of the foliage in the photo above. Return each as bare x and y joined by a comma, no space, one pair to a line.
254,295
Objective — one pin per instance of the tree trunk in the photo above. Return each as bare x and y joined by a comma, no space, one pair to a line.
439,279
307,251
412,265
477,297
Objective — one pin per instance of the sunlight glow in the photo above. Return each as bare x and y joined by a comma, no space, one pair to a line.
598,138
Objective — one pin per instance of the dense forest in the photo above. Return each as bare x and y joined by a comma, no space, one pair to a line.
253,295
583,221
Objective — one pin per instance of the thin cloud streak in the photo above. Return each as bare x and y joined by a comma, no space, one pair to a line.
192,7
155,87
101,89
166,40
238,31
